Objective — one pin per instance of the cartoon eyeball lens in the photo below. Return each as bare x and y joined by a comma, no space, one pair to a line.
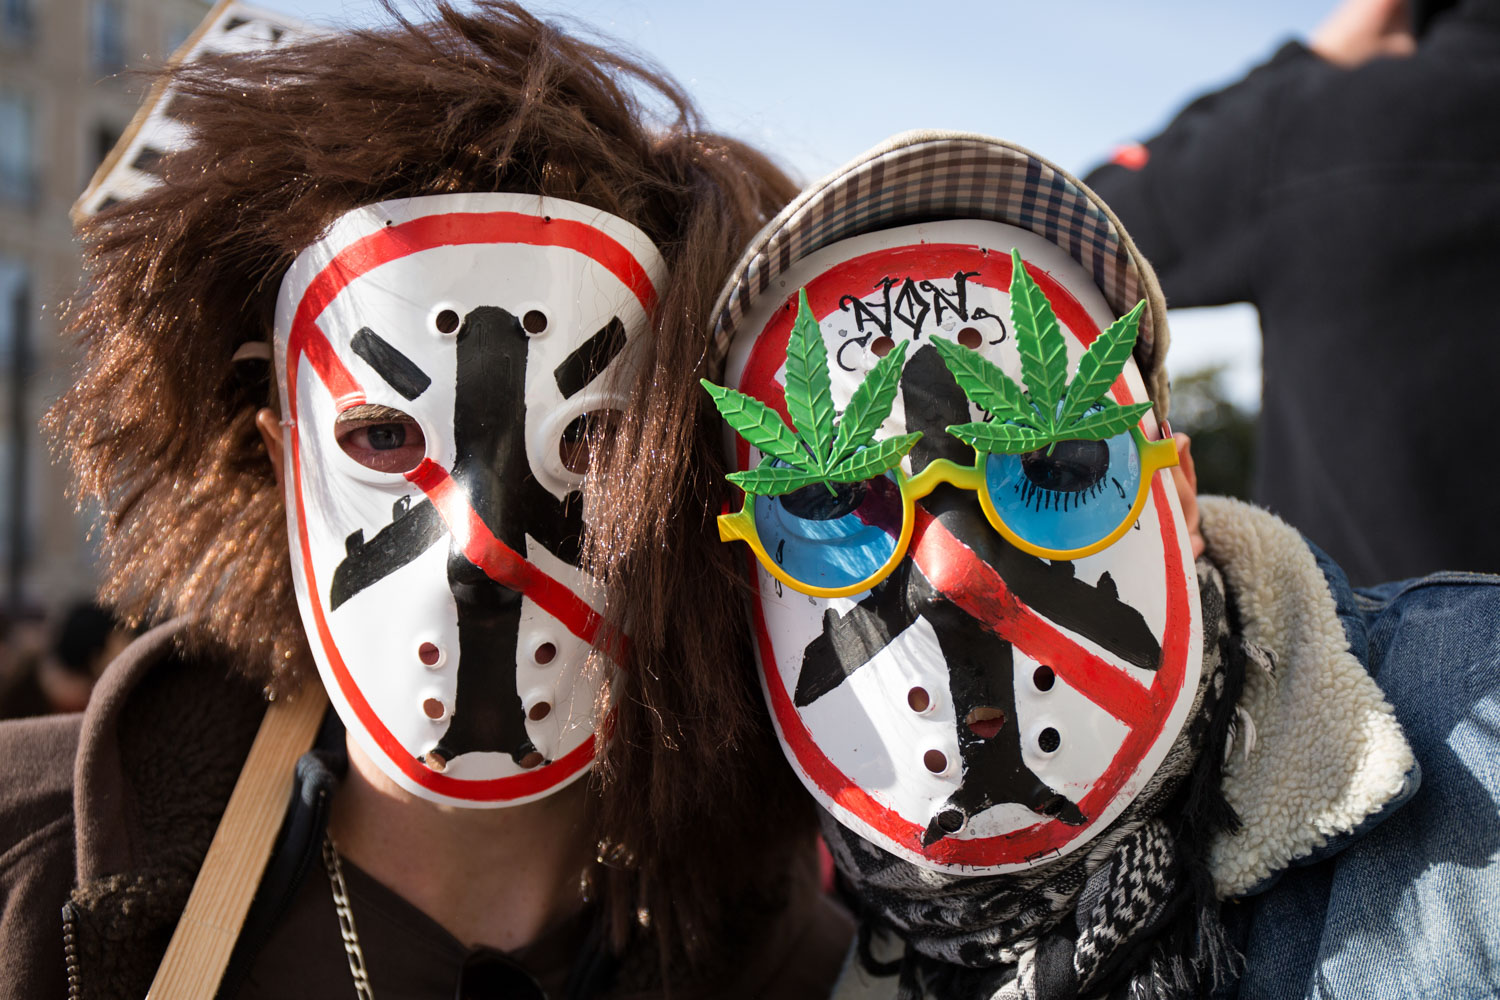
976,616
440,362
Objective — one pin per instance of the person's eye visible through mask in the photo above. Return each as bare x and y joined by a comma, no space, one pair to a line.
381,438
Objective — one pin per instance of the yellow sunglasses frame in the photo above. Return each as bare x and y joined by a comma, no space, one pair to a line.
740,526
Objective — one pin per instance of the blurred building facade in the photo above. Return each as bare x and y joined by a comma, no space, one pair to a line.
65,98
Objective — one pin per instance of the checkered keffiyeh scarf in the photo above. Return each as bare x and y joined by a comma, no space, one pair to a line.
1132,914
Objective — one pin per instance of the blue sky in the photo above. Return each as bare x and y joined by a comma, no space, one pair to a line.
817,83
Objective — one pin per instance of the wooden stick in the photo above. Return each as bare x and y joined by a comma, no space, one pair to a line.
210,924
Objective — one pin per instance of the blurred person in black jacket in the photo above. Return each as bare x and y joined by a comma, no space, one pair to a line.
1350,189
61,678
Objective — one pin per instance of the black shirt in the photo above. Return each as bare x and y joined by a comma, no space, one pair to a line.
1359,210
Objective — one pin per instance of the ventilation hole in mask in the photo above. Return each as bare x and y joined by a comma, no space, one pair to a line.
936,761
1048,740
534,322
970,338
531,760
544,653
918,699
447,321
881,346
539,711
950,821
433,709
429,654
1043,678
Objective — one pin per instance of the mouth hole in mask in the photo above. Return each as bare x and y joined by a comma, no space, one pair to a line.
581,435
985,721
380,438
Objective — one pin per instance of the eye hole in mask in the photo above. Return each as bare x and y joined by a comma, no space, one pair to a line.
381,438
832,539
1065,500
581,435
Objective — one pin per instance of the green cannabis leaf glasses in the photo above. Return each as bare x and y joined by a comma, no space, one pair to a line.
1061,470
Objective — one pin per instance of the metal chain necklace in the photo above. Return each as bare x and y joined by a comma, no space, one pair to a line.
352,949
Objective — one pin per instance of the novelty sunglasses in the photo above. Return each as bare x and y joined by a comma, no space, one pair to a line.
1061,469
1067,502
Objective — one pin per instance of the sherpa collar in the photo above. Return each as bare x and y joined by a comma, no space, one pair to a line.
1329,758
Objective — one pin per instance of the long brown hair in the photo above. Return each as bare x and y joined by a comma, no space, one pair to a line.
694,798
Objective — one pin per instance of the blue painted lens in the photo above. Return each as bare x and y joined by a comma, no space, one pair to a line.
1069,499
832,541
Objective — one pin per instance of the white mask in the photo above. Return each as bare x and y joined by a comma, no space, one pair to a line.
435,549
981,709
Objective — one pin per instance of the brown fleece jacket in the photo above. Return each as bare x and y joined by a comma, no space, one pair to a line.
105,819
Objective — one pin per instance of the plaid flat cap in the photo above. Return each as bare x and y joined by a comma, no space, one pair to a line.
926,176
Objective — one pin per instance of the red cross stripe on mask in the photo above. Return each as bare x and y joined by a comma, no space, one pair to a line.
978,589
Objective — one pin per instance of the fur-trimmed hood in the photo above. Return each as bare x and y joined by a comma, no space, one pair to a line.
1319,758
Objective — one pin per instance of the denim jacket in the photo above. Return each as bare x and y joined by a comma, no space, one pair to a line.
1404,905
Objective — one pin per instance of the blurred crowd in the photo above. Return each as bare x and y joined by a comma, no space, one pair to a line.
50,664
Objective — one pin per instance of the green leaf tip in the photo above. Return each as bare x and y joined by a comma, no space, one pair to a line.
1039,338
809,390
758,424
820,447
1050,409
1101,364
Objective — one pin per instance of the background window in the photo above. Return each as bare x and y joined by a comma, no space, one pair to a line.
15,420
16,158
16,20
109,35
